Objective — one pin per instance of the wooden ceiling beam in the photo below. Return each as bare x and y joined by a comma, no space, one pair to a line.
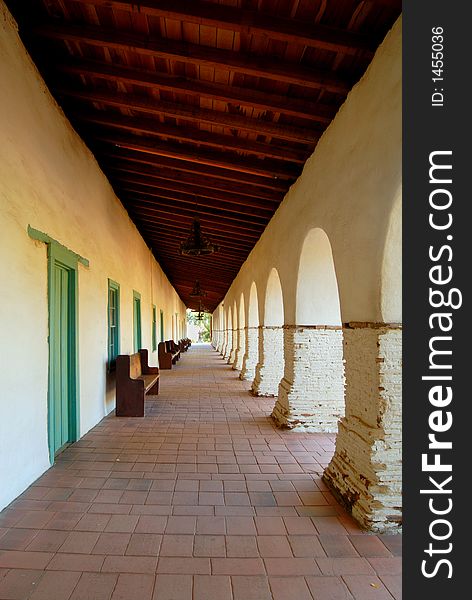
193,135
256,66
262,186
190,185
166,230
296,107
181,225
141,201
292,31
154,191
192,113
265,168
202,210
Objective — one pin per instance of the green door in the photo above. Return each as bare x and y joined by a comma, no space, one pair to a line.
136,321
162,325
60,350
62,413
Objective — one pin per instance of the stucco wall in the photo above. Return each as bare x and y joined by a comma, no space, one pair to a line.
51,181
349,188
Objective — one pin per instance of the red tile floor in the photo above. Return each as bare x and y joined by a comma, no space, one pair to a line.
203,499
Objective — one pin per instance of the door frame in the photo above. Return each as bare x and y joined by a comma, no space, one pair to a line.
137,322
58,254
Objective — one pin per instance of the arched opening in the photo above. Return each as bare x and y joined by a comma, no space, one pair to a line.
311,393
270,367
229,334
251,354
241,345
317,300
234,334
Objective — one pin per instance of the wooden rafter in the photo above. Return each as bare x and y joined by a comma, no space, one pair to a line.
184,52
249,22
302,108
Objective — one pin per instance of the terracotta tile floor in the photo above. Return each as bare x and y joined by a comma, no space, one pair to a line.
204,499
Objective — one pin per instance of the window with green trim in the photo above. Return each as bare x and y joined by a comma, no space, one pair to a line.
136,321
113,323
154,328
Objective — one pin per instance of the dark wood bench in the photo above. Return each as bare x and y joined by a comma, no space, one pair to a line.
134,379
184,344
172,347
165,357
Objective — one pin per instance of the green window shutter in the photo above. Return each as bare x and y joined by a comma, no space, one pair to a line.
113,323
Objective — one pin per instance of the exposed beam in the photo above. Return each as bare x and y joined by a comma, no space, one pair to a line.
266,168
193,135
167,228
216,58
195,114
210,207
249,22
140,201
144,213
276,103
181,182
161,188
264,186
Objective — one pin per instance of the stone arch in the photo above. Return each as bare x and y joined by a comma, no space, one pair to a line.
253,308
251,351
270,368
274,302
241,342
317,296
234,334
311,392
391,275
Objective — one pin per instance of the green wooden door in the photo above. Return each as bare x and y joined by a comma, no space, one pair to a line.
63,409
136,321
60,334
162,325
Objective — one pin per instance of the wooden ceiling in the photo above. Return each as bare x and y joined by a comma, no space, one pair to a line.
202,106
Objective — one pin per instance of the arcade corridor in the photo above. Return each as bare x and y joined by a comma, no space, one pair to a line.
204,496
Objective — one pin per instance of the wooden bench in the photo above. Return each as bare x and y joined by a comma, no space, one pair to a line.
134,379
172,347
165,357
184,344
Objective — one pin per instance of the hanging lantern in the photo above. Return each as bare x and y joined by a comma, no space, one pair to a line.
197,244
197,291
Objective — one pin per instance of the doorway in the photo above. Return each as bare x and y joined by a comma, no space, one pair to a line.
63,422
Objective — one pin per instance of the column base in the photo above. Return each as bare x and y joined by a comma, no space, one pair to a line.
365,473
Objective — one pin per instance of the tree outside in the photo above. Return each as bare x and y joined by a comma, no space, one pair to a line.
198,329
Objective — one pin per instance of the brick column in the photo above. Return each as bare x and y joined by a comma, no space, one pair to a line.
240,350
366,470
270,368
251,353
311,393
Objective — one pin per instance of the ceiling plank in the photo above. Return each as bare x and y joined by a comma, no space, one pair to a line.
154,188
302,108
249,22
266,168
216,58
178,200
263,185
192,113
193,135
205,187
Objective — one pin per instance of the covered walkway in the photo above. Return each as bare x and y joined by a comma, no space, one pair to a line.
203,499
